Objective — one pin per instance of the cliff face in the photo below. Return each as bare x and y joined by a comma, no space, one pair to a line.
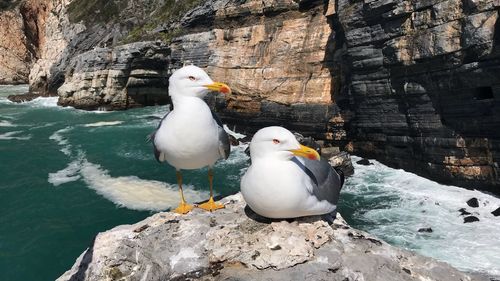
21,35
122,77
274,56
422,87
75,27
272,53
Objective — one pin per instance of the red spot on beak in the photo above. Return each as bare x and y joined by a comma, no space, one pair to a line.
225,90
312,157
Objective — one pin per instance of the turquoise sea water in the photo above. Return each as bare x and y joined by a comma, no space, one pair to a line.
68,174
65,177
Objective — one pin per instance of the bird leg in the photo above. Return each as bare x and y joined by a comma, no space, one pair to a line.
211,205
184,207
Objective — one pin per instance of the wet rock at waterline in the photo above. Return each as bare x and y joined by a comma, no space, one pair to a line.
425,229
470,219
496,212
364,161
463,212
473,202
342,161
23,97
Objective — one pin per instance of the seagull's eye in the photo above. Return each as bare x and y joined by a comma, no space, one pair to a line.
192,78
276,141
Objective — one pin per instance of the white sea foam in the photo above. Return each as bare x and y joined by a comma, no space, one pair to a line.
136,193
12,136
43,102
68,174
5,123
101,110
412,202
103,123
4,100
61,140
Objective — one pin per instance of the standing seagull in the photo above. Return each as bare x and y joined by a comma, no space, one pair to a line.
280,185
191,136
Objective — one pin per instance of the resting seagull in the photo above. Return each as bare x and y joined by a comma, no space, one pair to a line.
191,136
286,179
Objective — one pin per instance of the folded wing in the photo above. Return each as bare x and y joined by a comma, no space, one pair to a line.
327,183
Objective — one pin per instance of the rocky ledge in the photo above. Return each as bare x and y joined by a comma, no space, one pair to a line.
236,244
23,97
122,77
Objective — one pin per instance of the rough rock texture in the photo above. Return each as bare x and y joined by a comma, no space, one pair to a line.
422,88
23,97
122,77
342,161
68,34
47,74
21,34
232,244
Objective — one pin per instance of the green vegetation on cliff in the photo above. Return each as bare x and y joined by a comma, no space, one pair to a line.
150,17
173,10
95,11
166,14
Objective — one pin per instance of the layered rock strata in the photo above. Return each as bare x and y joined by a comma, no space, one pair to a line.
272,53
234,243
122,77
74,27
422,88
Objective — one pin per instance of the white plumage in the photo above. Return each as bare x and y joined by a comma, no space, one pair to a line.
191,136
280,185
188,137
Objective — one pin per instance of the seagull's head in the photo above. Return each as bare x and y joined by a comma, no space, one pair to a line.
279,143
192,81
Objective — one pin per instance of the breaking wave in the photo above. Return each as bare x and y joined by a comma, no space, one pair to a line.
395,204
43,102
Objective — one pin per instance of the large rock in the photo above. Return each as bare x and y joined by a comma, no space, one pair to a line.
235,244
122,77
74,27
21,34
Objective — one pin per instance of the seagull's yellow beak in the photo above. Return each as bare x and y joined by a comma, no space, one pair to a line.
307,152
219,87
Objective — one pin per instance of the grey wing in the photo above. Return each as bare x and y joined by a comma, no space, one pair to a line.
224,146
327,182
158,154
